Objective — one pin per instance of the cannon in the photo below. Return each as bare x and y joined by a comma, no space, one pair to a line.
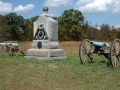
112,52
9,48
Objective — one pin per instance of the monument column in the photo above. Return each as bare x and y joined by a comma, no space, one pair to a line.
45,44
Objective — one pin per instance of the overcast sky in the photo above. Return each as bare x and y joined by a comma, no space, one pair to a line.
95,11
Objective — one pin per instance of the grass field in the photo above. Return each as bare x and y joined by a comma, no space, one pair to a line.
17,73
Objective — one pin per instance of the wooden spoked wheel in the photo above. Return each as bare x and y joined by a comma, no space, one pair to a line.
16,51
11,50
84,51
8,49
115,53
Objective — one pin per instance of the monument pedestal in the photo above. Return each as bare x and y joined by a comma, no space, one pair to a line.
45,54
48,50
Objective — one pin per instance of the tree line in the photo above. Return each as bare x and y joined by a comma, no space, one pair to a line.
15,27
71,26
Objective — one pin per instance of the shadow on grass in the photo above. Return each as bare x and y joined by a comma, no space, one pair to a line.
102,63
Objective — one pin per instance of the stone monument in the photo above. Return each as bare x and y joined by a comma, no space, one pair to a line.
45,45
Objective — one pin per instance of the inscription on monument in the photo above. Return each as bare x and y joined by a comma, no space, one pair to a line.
41,19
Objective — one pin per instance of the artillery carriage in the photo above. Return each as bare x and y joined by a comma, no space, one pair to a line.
87,48
9,48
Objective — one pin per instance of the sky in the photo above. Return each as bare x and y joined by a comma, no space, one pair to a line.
95,11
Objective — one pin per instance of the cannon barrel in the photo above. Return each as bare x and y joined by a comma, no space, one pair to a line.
9,43
99,43
2,44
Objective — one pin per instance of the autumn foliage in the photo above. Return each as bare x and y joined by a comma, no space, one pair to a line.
71,27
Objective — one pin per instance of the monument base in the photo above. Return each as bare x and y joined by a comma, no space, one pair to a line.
45,54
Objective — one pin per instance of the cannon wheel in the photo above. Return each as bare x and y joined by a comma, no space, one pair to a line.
16,52
84,51
8,49
114,52
11,50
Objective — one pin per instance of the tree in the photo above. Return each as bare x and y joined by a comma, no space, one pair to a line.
11,22
118,35
30,24
104,33
4,29
17,26
84,31
69,25
92,33
33,19
113,33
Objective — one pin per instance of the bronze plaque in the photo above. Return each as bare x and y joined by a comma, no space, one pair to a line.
39,44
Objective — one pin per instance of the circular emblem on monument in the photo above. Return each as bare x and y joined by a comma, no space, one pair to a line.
39,44
40,35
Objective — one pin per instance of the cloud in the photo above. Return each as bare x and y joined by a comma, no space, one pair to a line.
8,7
117,26
116,7
56,3
23,9
112,6
5,7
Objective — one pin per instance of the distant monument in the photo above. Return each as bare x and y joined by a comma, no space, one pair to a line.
45,45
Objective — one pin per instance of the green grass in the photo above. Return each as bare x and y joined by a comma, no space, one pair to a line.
17,73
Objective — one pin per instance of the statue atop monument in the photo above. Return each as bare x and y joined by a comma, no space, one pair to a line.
45,12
